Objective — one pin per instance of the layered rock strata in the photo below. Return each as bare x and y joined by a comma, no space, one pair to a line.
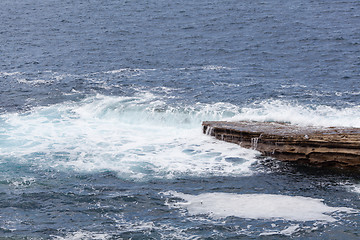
332,146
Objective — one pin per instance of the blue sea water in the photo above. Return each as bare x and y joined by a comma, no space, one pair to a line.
101,105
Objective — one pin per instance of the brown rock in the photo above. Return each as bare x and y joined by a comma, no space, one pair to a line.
322,146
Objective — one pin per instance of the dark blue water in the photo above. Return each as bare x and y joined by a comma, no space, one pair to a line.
101,104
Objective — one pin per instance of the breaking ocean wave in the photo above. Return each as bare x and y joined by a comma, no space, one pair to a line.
142,136
300,114
137,137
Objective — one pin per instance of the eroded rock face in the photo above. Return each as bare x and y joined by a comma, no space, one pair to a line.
331,146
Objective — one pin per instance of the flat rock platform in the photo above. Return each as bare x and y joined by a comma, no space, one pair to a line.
320,146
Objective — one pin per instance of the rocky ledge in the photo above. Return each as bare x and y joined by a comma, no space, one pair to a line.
331,146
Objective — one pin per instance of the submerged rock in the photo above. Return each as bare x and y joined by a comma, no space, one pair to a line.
321,146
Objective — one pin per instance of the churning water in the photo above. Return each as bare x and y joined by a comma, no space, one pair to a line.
101,105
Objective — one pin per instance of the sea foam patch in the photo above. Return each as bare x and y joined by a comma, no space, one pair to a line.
257,206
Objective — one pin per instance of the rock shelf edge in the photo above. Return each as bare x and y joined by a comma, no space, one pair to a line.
318,146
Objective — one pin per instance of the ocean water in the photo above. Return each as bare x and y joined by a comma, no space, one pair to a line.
101,105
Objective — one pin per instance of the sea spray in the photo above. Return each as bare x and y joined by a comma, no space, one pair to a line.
301,114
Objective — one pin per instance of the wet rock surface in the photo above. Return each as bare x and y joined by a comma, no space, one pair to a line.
320,146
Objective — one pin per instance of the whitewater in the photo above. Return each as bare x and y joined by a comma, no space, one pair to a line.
101,111
143,142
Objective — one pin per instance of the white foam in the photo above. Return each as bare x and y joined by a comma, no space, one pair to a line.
80,235
165,230
35,82
216,67
258,206
355,188
47,77
206,67
122,70
22,181
9,73
138,137
288,231
283,111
